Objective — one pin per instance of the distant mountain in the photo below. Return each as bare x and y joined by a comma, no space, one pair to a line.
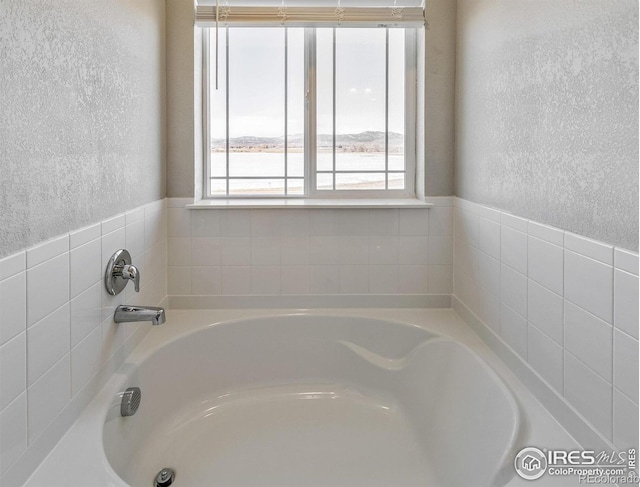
369,139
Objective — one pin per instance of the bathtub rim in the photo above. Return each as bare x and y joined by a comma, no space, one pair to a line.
538,426
144,351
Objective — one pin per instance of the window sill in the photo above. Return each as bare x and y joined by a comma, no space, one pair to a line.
251,203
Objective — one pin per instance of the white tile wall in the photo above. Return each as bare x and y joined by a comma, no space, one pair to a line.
47,342
13,264
565,304
86,359
412,222
85,268
86,312
352,250
589,284
265,251
488,273
513,289
324,279
13,369
626,302
625,365
513,249
589,339
625,421
513,330
13,306
589,393
589,248
204,251
48,396
545,356
489,237
47,287
13,425
383,279
440,279
293,280
56,327
411,250
546,264
626,260
354,279
84,235
47,250
413,279
311,251
544,310
236,280
568,306
544,232
383,250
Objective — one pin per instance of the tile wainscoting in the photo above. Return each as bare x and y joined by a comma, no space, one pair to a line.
310,251
564,304
58,341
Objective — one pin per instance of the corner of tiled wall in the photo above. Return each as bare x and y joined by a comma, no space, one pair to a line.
565,304
58,341
310,251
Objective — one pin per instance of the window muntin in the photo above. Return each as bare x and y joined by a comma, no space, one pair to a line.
350,136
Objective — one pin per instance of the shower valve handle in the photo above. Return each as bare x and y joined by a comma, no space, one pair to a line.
130,272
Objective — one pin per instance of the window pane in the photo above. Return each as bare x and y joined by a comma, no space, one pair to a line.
257,119
396,98
256,105
295,186
256,163
354,160
360,99
362,110
359,181
396,161
295,102
256,186
218,187
324,156
324,99
295,161
218,104
324,181
396,181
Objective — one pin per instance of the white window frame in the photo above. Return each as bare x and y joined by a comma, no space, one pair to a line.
310,191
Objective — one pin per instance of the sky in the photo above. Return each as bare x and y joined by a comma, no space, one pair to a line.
257,74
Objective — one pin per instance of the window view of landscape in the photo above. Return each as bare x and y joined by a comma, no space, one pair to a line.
263,157
359,147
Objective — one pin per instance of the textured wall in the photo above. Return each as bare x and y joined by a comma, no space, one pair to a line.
180,98
440,53
81,113
439,98
547,112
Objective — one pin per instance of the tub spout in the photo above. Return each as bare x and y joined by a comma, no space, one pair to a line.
127,314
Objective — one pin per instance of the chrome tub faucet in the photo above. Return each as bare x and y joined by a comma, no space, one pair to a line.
118,273
127,313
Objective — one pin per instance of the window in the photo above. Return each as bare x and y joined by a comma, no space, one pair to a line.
310,112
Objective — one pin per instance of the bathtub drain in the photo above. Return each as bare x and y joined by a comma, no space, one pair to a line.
130,401
164,478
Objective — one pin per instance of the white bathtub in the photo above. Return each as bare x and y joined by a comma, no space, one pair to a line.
327,398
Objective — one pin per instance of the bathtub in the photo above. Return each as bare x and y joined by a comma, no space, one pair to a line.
290,398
